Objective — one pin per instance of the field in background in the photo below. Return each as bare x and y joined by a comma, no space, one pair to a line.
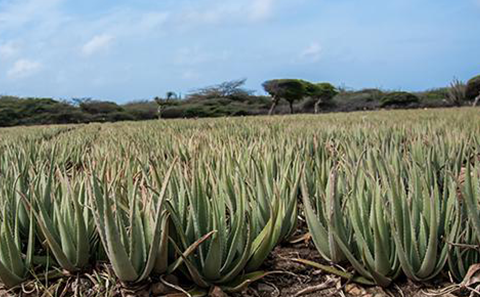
215,204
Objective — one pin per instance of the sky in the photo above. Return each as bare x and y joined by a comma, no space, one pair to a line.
126,50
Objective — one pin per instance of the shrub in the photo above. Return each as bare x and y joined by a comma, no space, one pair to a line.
434,95
473,88
99,107
456,92
398,99
8,117
142,110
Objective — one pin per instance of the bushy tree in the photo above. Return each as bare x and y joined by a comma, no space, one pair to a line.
290,90
472,93
321,93
142,110
96,107
398,98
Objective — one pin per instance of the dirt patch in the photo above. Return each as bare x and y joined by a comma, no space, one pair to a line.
310,282
290,279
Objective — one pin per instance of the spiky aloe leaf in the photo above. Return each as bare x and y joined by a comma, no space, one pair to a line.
158,247
12,267
116,251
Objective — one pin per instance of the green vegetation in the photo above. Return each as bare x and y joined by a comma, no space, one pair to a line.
402,99
290,90
387,194
321,93
229,99
473,88
457,92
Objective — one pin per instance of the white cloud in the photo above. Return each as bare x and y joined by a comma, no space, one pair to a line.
8,50
261,9
23,68
15,14
96,44
312,53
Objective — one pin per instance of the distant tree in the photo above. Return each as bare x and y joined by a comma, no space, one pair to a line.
141,110
473,90
99,107
290,90
233,90
169,100
321,93
78,101
399,99
30,111
475,101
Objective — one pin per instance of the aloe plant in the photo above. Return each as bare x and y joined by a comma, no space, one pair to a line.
274,181
425,222
324,215
14,265
220,209
464,250
374,253
381,191
134,233
64,221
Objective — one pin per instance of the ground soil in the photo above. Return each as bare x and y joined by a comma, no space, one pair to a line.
292,279
299,277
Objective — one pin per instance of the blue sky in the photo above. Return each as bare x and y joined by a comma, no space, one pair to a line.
124,50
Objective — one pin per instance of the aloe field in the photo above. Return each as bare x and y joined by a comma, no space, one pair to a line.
198,207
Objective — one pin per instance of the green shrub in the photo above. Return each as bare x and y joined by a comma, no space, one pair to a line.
473,88
398,99
8,117
99,107
432,95
142,110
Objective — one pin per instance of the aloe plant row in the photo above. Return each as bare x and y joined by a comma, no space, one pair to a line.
210,199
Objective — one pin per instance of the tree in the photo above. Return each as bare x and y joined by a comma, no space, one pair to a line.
169,100
321,92
399,99
473,90
230,89
96,107
475,101
290,90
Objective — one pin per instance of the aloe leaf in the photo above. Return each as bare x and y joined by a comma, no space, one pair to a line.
213,261
262,244
83,242
318,232
158,248
245,280
188,251
242,261
8,278
117,254
332,270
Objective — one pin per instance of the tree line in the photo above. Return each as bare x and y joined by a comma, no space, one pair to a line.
231,98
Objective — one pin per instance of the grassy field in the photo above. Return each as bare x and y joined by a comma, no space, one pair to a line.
214,205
